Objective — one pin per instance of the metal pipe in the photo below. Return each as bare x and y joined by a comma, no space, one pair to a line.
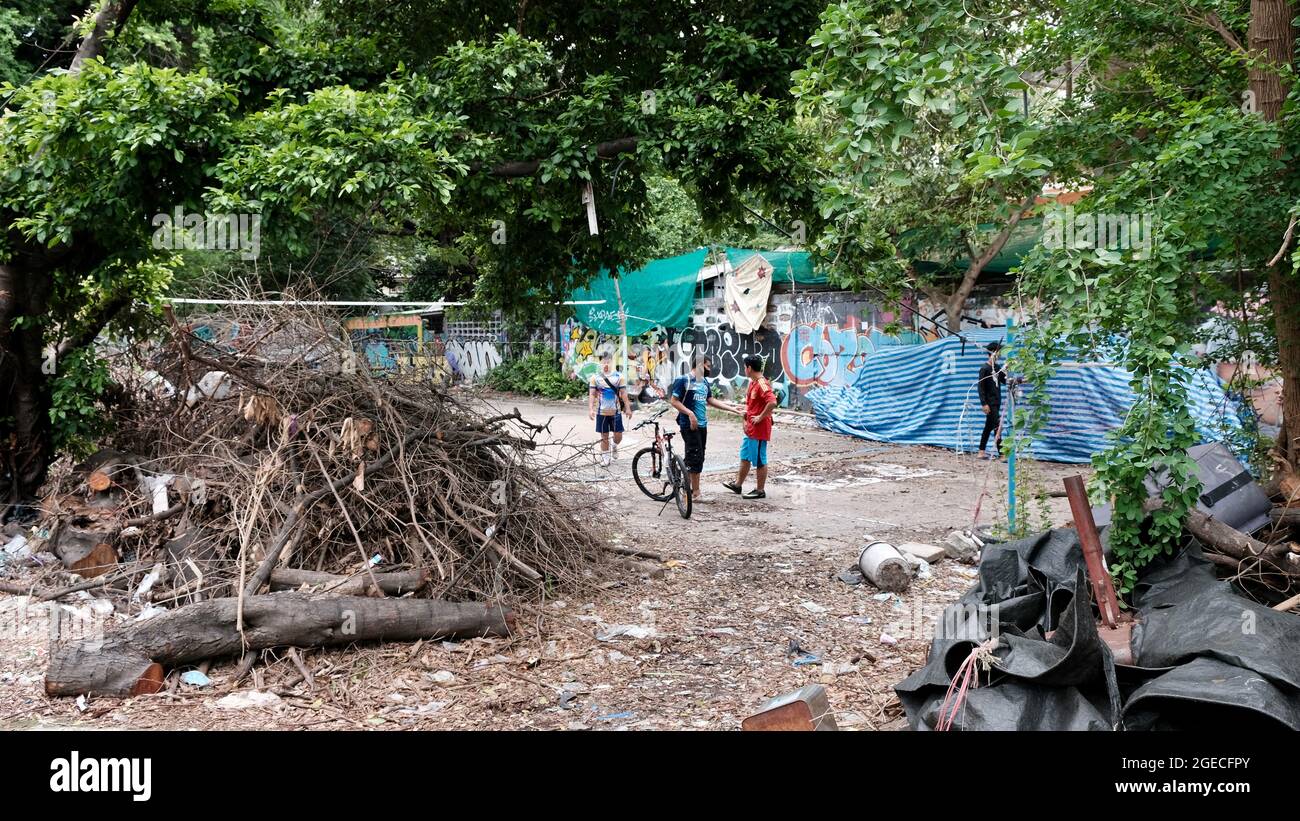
1102,590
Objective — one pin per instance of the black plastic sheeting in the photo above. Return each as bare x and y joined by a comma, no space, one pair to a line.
1204,656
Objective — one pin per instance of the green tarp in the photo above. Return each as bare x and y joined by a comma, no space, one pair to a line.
787,266
660,293
1022,240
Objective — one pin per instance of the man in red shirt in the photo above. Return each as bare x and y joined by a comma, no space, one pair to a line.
760,402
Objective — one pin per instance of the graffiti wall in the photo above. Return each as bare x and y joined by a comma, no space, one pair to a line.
648,355
399,344
469,360
812,340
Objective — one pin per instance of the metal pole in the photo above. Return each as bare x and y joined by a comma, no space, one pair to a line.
622,315
1011,458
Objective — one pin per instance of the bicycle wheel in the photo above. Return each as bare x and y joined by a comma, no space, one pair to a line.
681,487
648,471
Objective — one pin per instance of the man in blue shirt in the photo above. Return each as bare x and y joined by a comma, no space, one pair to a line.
691,396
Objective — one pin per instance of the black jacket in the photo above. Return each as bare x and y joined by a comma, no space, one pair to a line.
991,385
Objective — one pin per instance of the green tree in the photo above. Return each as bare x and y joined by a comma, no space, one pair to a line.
928,158
453,124
1182,116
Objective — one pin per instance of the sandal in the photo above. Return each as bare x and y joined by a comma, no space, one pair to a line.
755,494
732,486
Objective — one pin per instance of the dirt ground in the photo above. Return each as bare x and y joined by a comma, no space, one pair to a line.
747,606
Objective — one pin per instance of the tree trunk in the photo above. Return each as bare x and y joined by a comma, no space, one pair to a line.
978,260
112,15
1272,37
25,433
115,665
394,584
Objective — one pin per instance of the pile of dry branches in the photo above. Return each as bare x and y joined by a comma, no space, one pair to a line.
260,444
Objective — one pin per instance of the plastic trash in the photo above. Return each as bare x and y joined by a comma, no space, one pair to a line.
807,658
248,700
613,716
149,611
196,678
634,631
885,638
147,583
17,548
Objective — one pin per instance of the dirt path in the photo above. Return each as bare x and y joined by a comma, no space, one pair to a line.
749,608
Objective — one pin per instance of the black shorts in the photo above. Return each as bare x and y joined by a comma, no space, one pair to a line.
694,442
609,424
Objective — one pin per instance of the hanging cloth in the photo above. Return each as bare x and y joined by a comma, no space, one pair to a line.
748,287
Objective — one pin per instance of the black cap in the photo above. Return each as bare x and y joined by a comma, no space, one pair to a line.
993,347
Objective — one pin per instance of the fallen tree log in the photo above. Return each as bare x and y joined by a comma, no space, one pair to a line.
1228,540
394,584
1232,542
117,664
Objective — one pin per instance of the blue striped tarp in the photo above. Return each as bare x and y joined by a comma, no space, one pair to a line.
927,395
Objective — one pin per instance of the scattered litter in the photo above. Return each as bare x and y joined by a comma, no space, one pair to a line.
885,638
857,619
17,548
149,611
147,583
247,700
425,709
814,607
882,596
634,631
850,577
443,677
196,678
81,703
613,716
805,659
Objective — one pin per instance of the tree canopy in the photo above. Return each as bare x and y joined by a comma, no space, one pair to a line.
468,127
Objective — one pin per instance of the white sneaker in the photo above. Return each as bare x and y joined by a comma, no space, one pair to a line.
604,460
614,452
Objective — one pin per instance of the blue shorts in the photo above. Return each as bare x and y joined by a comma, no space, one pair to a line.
608,424
754,451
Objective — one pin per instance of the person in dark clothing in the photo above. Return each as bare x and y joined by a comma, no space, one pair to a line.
992,377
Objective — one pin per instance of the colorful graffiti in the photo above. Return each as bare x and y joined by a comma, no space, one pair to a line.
817,354
648,355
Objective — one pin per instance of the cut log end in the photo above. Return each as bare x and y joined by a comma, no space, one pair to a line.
99,561
151,682
99,481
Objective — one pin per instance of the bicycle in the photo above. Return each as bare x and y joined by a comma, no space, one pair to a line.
657,465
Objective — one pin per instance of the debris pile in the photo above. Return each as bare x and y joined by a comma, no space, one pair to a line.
1022,650
274,461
